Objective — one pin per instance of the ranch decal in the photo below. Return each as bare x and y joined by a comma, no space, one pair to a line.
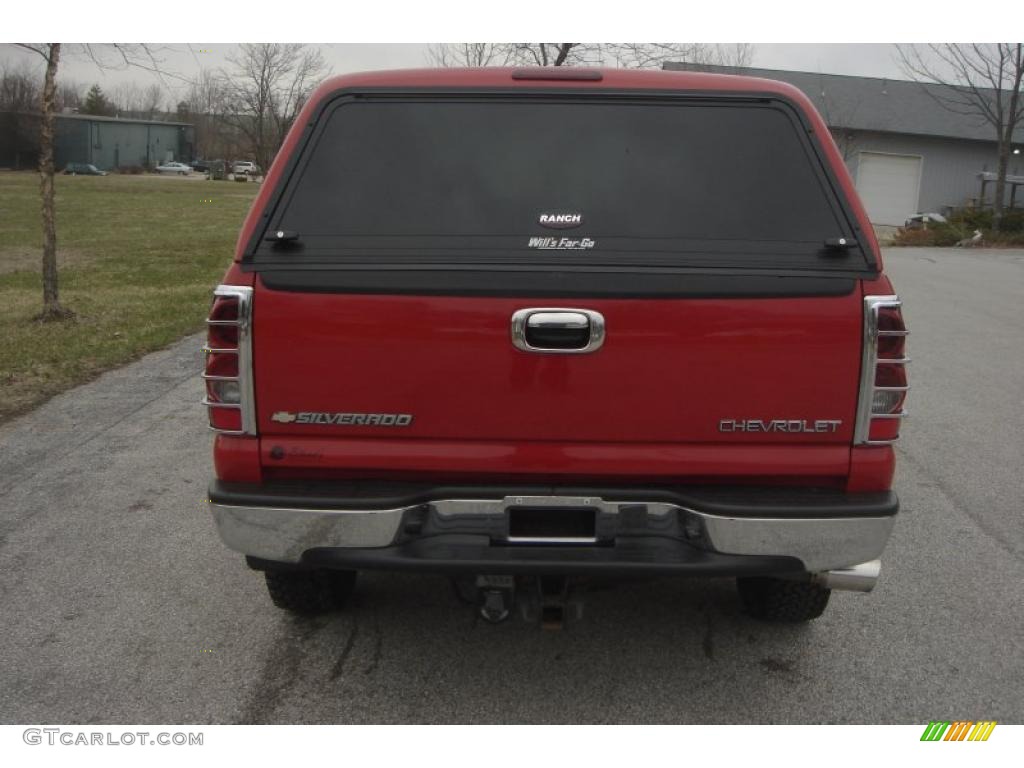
560,220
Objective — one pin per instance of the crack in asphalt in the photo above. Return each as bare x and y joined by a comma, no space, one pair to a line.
280,671
959,504
378,645
708,641
350,641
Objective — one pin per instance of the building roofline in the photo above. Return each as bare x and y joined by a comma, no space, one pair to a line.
810,72
106,119
99,118
751,71
914,134
884,104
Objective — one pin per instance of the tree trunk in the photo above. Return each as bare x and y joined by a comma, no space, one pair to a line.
1002,167
52,309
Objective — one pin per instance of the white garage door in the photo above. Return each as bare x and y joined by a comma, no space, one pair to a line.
889,186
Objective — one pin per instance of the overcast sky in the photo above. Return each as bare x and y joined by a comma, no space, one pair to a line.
874,59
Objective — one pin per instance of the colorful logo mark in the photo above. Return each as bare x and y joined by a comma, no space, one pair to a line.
959,730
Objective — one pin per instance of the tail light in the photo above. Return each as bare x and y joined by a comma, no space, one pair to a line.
883,384
228,370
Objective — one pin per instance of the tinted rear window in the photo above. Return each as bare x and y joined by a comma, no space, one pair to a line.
655,183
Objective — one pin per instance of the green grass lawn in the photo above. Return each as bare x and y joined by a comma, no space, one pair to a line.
138,259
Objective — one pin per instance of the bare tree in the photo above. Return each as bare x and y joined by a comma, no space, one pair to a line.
839,115
207,93
125,54
846,140
654,55
126,98
133,100
507,54
625,55
740,55
468,55
266,88
546,54
69,95
205,107
19,88
982,80
52,310
152,100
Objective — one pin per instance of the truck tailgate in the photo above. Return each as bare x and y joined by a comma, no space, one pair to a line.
669,373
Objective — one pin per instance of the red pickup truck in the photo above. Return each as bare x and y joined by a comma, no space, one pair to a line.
532,327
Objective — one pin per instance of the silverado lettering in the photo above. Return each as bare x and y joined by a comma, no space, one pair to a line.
567,398
368,419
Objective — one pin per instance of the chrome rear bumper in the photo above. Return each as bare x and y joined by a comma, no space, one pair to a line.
844,545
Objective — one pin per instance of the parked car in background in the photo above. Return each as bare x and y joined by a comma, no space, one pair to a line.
245,167
922,220
179,168
216,170
201,166
83,169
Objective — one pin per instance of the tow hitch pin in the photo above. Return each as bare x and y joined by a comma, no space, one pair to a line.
495,608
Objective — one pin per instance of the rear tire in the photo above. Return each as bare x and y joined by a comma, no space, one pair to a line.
309,593
782,600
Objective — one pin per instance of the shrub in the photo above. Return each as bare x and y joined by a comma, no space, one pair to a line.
937,235
1005,239
1013,221
972,219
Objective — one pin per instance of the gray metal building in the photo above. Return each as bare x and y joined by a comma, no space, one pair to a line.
113,142
106,142
906,152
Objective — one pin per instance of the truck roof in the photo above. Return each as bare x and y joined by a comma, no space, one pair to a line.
555,77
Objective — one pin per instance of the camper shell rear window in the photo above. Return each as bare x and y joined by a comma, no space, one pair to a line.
520,181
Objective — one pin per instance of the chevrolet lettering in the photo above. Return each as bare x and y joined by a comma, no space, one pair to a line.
779,425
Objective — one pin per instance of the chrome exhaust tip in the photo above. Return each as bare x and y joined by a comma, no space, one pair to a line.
853,578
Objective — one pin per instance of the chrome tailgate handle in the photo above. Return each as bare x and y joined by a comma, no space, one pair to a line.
563,320
556,330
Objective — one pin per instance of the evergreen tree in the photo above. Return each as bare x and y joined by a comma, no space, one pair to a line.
96,103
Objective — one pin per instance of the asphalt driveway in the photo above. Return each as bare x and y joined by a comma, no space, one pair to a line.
119,604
